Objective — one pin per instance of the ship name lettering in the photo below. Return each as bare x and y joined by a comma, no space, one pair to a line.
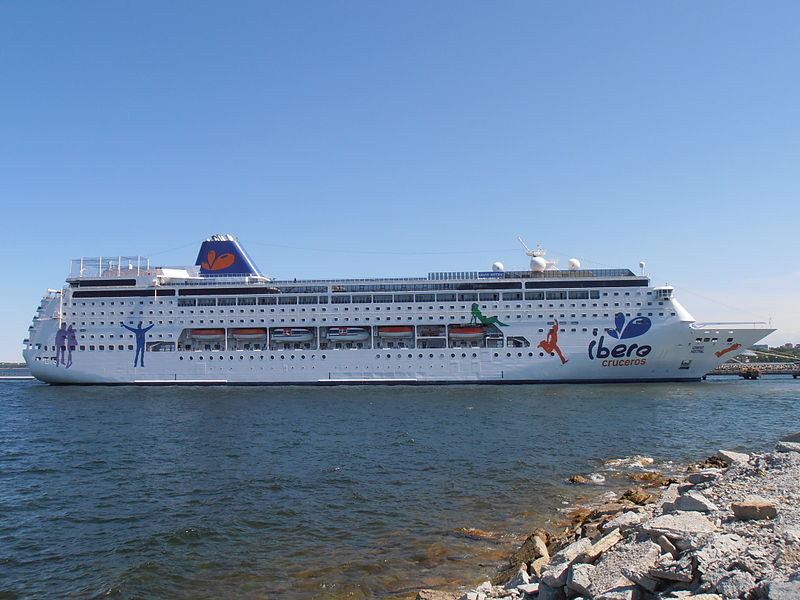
598,350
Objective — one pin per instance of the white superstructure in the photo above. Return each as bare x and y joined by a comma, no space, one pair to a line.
120,321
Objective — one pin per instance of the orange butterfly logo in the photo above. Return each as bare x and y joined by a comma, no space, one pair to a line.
217,263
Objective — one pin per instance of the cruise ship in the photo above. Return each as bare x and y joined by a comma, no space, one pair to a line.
121,320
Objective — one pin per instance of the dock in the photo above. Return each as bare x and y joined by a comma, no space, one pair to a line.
756,370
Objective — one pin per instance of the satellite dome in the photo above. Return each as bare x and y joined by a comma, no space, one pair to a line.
538,263
498,267
574,264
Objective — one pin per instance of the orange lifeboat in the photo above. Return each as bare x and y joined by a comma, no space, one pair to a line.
249,334
467,333
292,335
208,334
396,332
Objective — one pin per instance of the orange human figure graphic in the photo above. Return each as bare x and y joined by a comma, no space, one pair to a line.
728,349
550,344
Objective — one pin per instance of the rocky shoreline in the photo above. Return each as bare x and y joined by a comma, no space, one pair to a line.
728,529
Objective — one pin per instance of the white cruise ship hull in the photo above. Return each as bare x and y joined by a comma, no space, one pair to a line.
197,326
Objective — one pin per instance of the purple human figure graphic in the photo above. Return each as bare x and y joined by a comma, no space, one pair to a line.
61,343
72,343
139,332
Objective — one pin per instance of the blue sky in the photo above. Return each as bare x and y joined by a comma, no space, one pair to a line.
396,138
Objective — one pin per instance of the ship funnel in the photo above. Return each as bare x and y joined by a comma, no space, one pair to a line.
224,255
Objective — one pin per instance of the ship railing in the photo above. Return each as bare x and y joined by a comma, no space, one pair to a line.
109,266
727,324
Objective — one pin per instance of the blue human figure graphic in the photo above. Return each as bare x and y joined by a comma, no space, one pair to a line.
139,332
72,344
61,344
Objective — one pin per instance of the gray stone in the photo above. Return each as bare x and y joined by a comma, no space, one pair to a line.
733,458
703,597
666,546
785,590
667,501
623,592
673,570
550,593
436,595
529,588
579,578
703,476
678,526
736,584
788,447
555,573
638,556
695,501
641,579
625,522
521,578
600,546
792,437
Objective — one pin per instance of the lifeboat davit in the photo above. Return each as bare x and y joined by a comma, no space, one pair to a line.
347,334
208,334
467,333
249,334
396,332
292,335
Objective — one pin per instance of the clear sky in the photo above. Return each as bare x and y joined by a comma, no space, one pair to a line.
360,138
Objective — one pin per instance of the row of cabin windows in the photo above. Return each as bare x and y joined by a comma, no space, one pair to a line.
368,298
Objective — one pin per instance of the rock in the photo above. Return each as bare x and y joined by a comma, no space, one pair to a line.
578,479
673,570
714,462
792,437
539,564
623,592
476,534
666,546
638,555
608,509
600,546
679,526
736,584
484,588
529,588
532,548
733,458
703,476
787,447
647,477
785,590
641,579
666,503
521,578
554,574
579,578
695,501
549,593
638,496
625,522
754,508
703,597
436,595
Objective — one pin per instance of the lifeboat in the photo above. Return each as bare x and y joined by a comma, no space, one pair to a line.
292,335
430,332
249,334
208,334
467,333
347,334
396,332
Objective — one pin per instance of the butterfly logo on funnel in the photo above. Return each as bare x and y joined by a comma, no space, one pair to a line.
218,263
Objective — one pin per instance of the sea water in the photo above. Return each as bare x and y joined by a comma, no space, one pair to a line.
334,492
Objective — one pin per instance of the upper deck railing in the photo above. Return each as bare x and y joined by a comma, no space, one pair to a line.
109,266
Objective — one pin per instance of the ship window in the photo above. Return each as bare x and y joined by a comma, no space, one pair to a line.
270,300
287,300
512,296
467,297
91,347
425,298
534,295
226,302
362,298
404,298
245,301
340,299
382,298
307,299
578,295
